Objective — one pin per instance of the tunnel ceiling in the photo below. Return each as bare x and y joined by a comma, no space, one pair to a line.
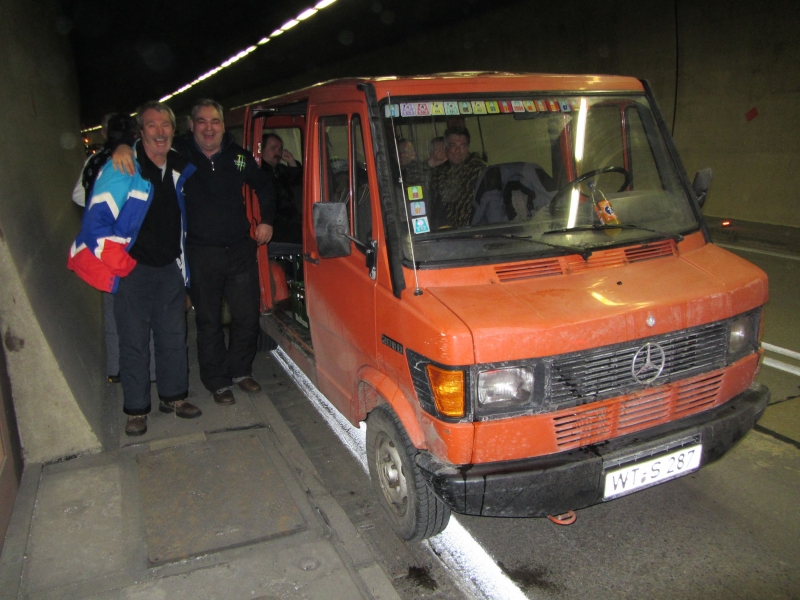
126,54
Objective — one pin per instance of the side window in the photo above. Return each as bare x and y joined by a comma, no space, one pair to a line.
643,165
343,162
292,139
334,159
362,207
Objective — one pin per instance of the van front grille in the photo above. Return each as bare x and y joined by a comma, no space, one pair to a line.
598,422
591,375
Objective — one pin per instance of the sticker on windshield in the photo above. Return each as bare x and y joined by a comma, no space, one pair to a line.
437,108
392,110
530,105
415,192
479,107
451,108
421,225
565,106
517,106
417,209
541,105
505,106
465,108
552,105
407,110
492,108
423,109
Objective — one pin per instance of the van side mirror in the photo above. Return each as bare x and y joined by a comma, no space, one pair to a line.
331,226
701,184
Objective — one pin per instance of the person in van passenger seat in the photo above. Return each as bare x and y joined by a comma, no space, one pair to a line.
453,183
414,172
288,181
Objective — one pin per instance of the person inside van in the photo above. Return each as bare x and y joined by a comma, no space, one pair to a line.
453,182
414,171
287,179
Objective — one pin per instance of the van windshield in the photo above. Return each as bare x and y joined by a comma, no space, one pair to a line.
508,178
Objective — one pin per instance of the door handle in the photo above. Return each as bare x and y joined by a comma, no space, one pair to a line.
309,258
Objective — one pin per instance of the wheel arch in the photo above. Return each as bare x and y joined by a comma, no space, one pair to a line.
376,388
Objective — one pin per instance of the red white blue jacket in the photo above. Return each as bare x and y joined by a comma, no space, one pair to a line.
111,222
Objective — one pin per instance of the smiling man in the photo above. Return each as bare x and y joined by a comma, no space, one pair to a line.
221,252
132,244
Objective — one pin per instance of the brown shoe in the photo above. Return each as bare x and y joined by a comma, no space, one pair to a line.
224,396
136,425
248,384
181,408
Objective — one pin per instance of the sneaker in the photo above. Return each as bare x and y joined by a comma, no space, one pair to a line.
181,408
224,396
248,384
136,425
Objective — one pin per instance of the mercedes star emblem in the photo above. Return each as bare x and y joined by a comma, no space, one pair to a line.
648,363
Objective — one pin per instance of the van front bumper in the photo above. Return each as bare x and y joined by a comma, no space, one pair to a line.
557,483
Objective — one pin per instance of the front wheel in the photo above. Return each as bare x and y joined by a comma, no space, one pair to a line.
414,511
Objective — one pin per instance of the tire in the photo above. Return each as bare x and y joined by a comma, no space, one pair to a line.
265,342
415,512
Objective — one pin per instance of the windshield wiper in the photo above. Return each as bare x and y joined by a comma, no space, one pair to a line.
672,236
584,252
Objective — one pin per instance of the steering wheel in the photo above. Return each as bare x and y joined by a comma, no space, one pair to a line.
554,203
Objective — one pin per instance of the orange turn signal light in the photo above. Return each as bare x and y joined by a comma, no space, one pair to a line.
448,391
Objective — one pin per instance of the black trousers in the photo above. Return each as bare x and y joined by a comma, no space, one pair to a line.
231,273
151,298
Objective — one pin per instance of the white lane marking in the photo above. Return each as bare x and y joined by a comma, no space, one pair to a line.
776,364
779,350
454,546
755,251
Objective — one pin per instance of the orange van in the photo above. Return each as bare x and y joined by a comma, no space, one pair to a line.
508,277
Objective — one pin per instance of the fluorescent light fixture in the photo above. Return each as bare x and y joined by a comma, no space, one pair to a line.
306,13
309,12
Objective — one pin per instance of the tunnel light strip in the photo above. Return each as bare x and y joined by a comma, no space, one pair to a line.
306,14
781,366
454,546
779,350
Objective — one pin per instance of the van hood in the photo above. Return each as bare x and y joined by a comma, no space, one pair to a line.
566,313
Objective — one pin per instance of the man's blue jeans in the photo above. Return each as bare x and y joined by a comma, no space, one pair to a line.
152,298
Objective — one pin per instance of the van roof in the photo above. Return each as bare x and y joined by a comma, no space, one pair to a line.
460,83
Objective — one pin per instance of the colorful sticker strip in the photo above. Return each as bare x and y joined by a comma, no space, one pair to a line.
481,107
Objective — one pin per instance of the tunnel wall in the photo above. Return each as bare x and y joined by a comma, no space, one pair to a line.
50,321
723,58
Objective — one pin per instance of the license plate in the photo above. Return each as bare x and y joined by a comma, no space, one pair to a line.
642,474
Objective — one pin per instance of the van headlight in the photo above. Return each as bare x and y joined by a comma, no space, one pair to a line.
743,335
505,388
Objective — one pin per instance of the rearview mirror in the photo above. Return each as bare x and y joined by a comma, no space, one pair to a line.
331,226
700,185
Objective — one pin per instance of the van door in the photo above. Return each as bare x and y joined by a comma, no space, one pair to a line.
340,292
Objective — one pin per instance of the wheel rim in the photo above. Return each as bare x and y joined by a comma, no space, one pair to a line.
391,476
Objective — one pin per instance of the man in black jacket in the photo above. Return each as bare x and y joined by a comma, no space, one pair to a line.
220,252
